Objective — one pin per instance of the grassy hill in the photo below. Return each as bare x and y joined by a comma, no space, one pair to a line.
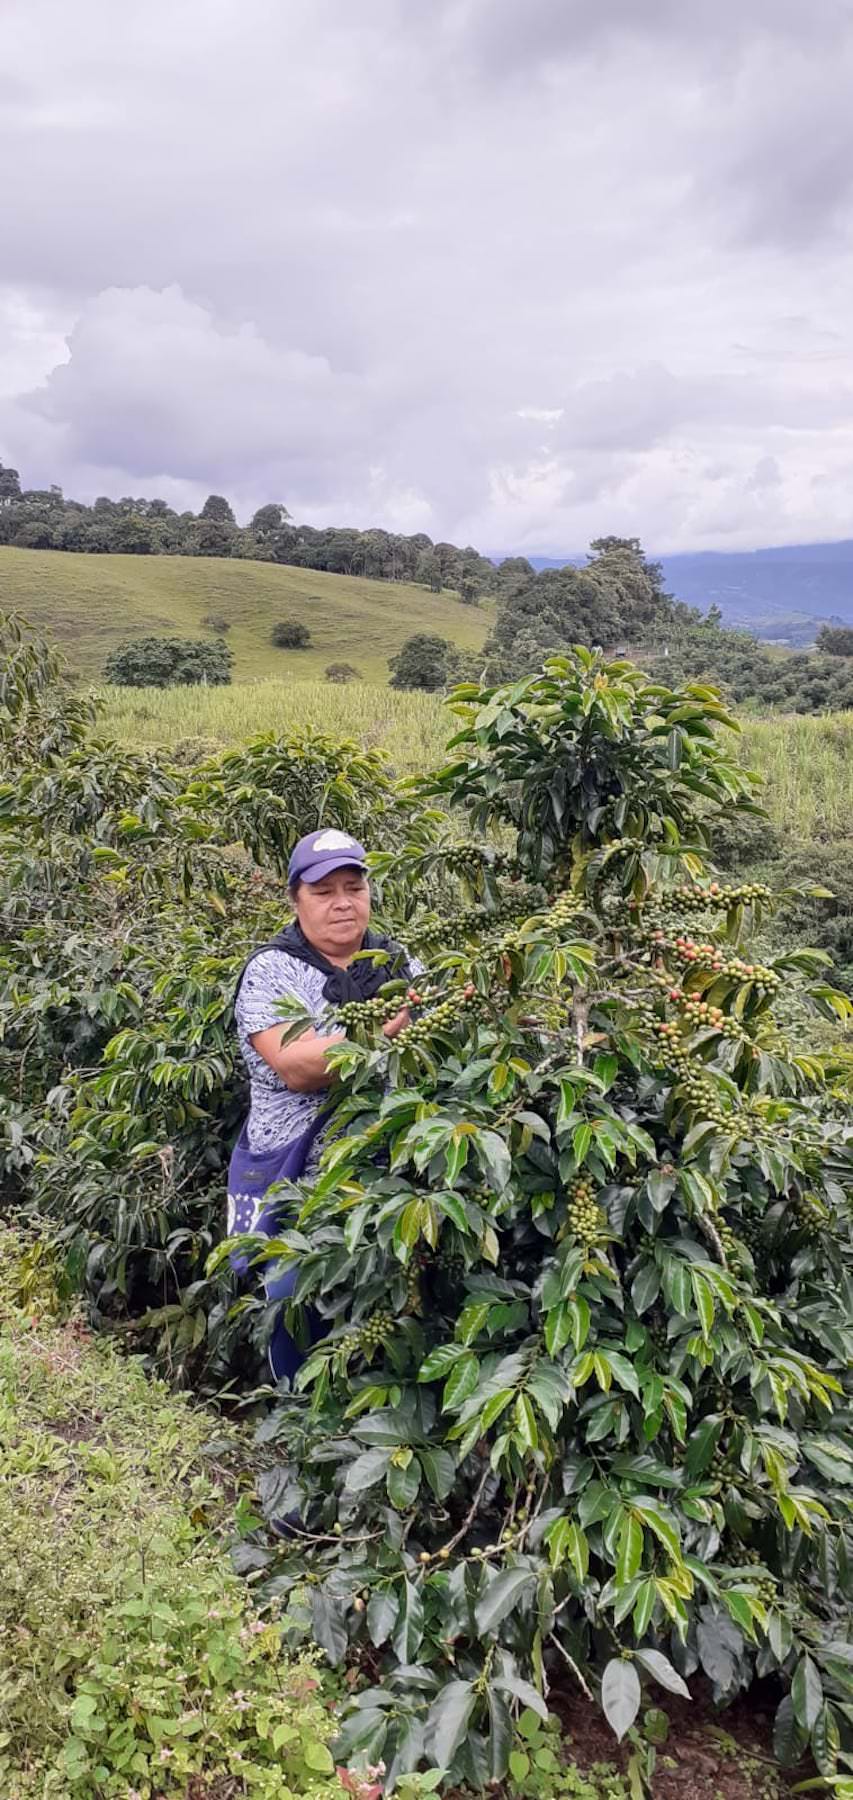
89,604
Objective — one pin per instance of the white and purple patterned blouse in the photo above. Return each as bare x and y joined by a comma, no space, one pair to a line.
276,1113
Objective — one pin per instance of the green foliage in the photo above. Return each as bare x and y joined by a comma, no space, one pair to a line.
131,893
581,1243
42,519
169,662
818,904
290,634
617,599
801,683
537,1770
836,640
425,660
131,1657
218,508
582,1250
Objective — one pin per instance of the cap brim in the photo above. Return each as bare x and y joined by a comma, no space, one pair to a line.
327,866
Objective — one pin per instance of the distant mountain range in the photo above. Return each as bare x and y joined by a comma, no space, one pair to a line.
783,595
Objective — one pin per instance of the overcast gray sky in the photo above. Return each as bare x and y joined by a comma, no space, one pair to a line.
513,272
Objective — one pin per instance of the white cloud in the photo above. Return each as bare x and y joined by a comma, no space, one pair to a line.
515,275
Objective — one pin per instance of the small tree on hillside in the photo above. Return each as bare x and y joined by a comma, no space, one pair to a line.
342,672
470,583
290,634
10,485
169,662
425,660
835,640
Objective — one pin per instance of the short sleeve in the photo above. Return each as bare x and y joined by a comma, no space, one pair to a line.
270,978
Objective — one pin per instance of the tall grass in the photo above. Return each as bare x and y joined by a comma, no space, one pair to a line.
807,766
806,763
412,727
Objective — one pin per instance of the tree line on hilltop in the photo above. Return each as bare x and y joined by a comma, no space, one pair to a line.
43,519
617,599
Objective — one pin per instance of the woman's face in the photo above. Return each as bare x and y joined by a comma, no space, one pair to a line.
334,912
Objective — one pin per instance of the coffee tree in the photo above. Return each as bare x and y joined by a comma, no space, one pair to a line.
577,1268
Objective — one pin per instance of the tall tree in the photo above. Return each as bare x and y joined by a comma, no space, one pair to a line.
268,520
10,485
428,571
216,507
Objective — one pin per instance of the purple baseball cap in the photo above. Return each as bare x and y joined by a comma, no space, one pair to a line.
322,851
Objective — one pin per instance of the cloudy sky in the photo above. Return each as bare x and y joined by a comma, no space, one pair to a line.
513,272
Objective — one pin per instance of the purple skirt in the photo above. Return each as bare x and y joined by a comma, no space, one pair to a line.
251,1174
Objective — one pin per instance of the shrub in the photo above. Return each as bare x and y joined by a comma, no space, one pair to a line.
582,1252
425,660
342,672
169,662
835,640
216,623
290,634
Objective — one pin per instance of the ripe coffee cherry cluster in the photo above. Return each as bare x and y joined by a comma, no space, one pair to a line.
712,957
368,1337
697,1012
585,1216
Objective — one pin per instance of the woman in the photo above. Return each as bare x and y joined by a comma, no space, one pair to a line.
312,961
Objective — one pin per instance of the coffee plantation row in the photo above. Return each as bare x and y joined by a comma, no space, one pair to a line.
580,1243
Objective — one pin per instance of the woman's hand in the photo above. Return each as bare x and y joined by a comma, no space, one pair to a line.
397,1024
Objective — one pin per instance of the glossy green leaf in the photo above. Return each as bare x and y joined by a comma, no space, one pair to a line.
502,1592
806,1692
447,1721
